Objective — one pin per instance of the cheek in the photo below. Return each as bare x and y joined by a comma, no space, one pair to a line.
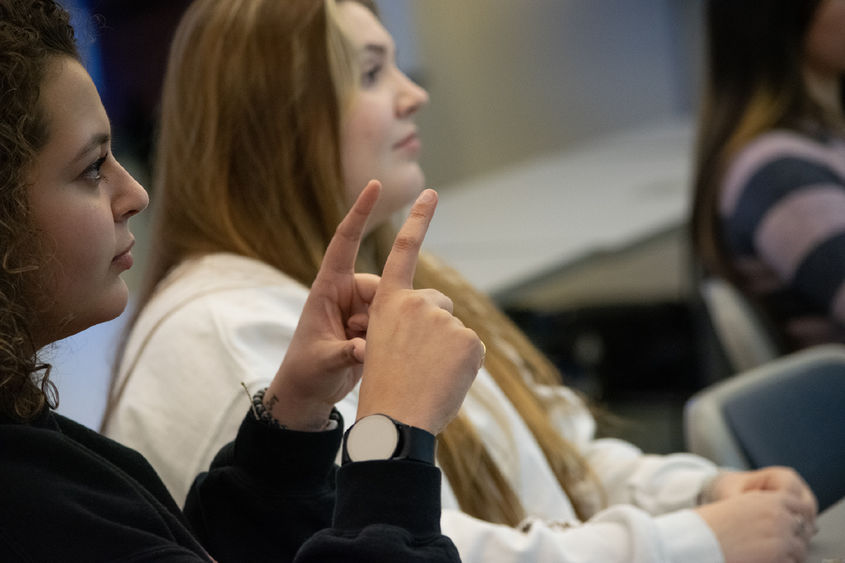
360,146
84,288
80,241
365,141
364,130
73,263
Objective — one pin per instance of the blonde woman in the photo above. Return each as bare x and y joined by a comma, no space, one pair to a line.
281,109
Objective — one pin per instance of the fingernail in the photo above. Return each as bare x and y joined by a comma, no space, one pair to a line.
427,196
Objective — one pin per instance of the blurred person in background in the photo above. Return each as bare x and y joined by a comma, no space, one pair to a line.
769,202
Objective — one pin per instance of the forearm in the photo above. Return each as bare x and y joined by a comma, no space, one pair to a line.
622,534
385,511
272,492
265,494
656,483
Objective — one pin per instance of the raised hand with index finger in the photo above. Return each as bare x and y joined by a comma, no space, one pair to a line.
324,360
420,360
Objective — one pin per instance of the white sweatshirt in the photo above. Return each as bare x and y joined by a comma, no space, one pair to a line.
224,319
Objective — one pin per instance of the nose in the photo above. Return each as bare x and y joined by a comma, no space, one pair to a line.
129,197
411,97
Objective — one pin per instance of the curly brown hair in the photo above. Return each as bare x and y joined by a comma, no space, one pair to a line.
32,33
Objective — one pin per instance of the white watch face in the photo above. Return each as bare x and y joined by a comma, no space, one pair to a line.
372,437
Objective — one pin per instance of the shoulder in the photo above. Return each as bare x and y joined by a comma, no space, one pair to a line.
57,491
781,144
204,277
216,296
42,466
778,162
56,450
216,321
35,468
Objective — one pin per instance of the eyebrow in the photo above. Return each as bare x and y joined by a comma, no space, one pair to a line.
375,48
96,141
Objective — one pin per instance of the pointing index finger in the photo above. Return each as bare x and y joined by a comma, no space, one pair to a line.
402,261
343,248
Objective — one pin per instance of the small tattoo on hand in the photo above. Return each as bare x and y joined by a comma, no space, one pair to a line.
269,403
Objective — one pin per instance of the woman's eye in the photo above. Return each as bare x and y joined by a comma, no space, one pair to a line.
371,75
93,173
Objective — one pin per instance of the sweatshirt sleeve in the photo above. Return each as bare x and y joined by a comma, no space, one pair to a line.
273,491
648,499
657,484
620,534
386,511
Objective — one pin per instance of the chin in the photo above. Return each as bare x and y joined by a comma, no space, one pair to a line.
116,303
417,178
412,185
112,304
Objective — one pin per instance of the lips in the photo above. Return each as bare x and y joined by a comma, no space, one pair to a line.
124,260
409,139
125,251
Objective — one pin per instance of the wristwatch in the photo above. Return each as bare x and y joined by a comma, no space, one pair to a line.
379,437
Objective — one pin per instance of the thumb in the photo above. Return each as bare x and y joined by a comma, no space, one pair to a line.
344,354
359,348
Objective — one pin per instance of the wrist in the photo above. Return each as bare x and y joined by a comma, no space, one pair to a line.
707,493
366,492
380,437
418,418
292,414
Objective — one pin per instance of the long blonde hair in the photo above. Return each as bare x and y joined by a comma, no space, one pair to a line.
248,161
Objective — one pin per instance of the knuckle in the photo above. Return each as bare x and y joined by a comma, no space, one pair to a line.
470,337
404,243
447,302
417,214
344,231
414,301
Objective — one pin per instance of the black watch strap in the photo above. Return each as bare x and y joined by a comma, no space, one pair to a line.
411,443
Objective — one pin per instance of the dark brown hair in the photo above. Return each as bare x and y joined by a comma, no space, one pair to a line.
754,83
32,33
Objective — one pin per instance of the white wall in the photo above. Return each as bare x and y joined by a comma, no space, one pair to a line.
511,79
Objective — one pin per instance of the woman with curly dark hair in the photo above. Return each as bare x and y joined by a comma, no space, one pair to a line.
70,494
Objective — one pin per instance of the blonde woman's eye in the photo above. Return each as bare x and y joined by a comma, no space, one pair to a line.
370,77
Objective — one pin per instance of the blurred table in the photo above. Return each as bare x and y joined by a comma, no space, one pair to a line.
829,543
508,227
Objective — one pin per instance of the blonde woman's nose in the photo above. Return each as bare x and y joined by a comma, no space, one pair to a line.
412,97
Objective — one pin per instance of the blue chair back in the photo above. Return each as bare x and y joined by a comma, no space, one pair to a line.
790,411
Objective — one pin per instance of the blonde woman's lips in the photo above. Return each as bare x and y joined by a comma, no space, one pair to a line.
409,142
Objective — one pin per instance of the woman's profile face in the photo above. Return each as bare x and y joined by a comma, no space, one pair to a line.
80,199
379,137
825,42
